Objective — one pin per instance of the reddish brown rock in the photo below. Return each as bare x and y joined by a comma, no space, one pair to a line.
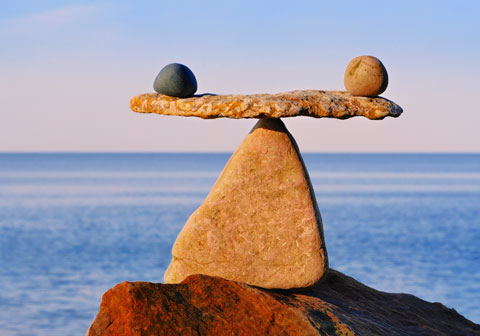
203,305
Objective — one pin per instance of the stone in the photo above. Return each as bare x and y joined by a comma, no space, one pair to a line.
366,76
175,80
260,223
311,103
204,305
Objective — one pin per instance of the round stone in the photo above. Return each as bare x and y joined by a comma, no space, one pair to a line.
366,76
175,80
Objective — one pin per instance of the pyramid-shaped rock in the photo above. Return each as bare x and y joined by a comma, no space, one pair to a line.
260,223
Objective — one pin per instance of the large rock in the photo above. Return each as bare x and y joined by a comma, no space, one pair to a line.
204,305
311,103
260,223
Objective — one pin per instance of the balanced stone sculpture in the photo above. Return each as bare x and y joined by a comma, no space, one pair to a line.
260,223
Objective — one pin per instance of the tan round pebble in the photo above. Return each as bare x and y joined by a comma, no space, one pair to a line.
366,76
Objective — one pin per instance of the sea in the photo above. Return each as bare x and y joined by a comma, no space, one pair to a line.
72,225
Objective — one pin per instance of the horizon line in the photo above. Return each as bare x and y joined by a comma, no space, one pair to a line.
230,152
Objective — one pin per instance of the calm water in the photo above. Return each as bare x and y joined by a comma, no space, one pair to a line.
74,225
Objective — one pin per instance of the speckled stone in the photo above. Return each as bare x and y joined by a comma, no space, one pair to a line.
311,103
366,76
175,80
260,223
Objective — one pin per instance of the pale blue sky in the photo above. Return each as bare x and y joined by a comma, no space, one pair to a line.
69,68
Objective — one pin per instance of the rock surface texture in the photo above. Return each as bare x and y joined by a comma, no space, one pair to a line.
312,103
204,305
260,223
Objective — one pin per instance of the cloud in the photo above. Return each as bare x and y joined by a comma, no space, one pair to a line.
47,21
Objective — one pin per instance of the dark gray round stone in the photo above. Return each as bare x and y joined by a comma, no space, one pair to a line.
175,80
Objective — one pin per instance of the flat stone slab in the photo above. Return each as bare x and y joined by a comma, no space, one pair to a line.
311,103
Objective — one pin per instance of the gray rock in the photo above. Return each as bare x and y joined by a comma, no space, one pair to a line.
175,80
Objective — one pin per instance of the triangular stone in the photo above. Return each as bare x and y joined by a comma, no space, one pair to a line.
260,223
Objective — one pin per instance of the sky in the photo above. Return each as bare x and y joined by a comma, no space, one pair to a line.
69,68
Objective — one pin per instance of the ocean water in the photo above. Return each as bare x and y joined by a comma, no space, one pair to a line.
74,225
